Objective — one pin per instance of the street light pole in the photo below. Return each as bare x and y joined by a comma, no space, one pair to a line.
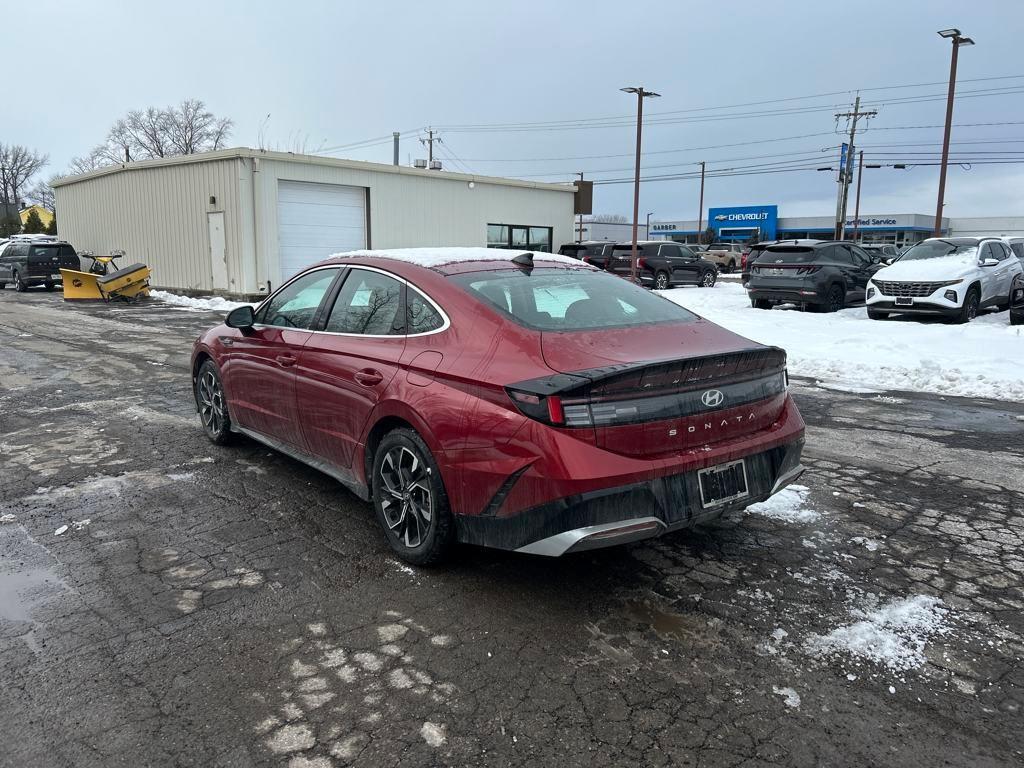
700,205
856,208
648,229
641,94
957,39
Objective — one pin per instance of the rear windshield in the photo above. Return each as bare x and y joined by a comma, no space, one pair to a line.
570,300
936,249
791,255
51,251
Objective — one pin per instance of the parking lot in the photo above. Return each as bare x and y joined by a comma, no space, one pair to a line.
230,607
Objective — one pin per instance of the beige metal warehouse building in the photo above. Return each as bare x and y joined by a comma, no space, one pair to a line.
239,221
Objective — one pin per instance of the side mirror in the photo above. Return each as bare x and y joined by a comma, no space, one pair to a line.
988,263
242,318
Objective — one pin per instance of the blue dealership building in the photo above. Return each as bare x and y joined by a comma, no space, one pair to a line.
741,223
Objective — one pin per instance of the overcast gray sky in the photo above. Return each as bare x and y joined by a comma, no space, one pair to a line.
333,73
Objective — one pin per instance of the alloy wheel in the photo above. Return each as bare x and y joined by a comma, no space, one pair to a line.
708,279
211,403
406,500
661,281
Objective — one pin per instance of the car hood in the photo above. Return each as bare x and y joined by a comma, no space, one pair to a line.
942,268
573,351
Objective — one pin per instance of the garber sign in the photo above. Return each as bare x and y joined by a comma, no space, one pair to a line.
740,222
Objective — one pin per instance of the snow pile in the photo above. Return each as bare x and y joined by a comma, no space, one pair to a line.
208,303
786,505
436,257
7,519
893,635
984,358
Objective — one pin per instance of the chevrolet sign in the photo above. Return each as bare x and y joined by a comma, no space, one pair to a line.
742,222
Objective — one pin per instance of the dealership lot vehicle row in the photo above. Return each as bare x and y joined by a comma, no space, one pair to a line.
229,606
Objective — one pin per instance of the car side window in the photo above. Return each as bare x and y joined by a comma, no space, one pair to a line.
296,304
1018,249
368,304
840,254
687,254
986,252
421,317
1004,252
860,257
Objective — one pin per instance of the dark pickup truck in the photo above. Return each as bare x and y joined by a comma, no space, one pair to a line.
26,262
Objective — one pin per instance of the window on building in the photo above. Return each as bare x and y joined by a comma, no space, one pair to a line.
519,237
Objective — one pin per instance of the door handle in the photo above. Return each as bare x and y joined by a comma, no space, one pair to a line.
368,377
287,360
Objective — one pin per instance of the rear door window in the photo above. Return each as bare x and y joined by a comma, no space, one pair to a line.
421,315
368,304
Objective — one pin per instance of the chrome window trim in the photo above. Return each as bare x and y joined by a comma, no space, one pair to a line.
444,315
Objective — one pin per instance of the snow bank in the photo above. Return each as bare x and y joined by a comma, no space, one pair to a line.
436,257
893,635
205,304
787,505
984,358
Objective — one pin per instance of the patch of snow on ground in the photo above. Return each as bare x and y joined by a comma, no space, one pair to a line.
984,358
207,303
869,544
433,734
893,635
791,697
787,505
7,519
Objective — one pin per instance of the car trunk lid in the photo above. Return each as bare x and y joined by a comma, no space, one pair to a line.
632,392
49,258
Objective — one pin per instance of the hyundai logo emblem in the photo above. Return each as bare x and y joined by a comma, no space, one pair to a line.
712,398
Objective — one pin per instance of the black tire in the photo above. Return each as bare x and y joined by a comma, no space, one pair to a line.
708,278
835,299
969,310
731,267
2,285
760,304
661,281
410,499
213,405
876,314
19,285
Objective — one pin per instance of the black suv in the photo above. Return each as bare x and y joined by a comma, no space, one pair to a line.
662,264
596,252
823,276
884,251
27,261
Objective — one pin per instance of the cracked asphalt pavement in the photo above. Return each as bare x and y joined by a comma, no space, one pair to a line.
214,606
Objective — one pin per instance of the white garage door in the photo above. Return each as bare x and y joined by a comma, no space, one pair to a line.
316,220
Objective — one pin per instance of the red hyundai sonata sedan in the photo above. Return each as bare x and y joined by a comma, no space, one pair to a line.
522,401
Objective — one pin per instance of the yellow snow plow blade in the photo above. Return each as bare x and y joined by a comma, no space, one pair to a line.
126,284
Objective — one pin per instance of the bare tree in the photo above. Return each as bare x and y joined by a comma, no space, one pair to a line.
609,218
18,164
156,132
42,194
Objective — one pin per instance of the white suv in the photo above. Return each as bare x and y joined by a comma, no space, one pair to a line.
950,276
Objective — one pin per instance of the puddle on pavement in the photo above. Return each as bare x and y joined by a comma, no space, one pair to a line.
664,623
21,591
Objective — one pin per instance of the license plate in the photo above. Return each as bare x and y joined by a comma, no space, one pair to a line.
55,277
904,301
724,483
775,271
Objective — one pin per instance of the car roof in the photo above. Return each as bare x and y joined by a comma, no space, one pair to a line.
452,260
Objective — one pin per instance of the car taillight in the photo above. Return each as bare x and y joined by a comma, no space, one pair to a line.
547,409
743,261
585,259
640,264
807,270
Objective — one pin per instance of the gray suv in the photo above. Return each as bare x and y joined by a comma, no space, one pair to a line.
822,276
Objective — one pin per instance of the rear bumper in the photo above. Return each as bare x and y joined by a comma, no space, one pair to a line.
796,294
624,513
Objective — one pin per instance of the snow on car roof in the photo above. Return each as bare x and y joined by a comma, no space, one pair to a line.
438,257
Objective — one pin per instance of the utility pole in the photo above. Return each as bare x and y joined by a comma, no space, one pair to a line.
579,237
856,210
394,138
957,39
429,142
846,172
700,206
